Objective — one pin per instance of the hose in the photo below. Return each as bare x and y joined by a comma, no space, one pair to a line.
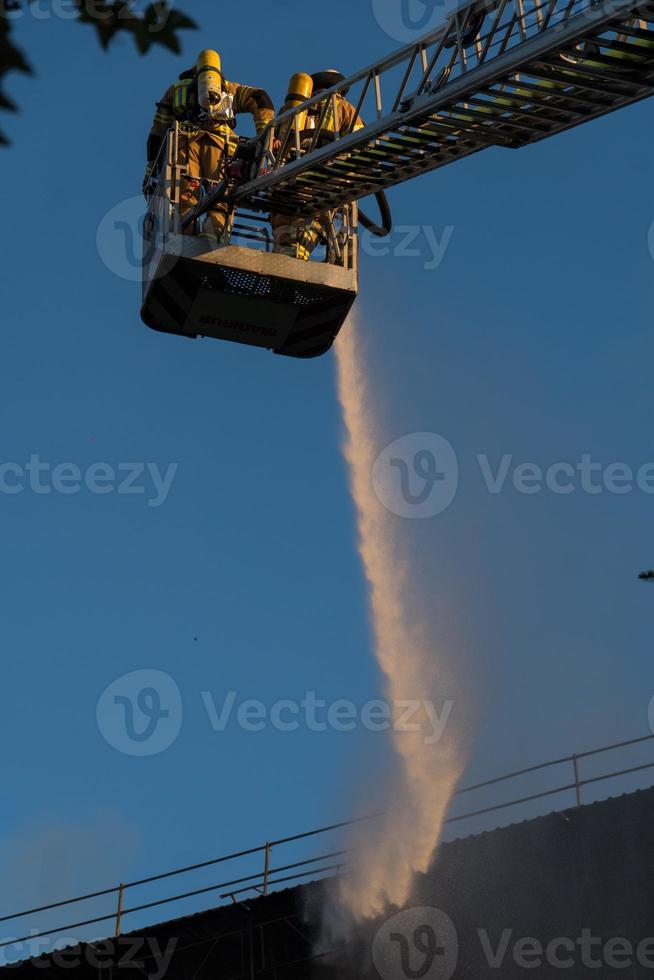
386,227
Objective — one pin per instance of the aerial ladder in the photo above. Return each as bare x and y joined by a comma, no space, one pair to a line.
497,73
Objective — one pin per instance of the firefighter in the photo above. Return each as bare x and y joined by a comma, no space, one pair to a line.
206,105
298,236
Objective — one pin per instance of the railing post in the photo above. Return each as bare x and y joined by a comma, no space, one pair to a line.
119,910
378,95
173,183
266,867
575,762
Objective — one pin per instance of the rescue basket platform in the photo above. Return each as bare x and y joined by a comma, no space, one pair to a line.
248,294
251,297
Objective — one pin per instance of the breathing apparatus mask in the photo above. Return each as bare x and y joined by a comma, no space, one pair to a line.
214,102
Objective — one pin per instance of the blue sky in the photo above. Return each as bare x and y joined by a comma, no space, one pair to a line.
532,338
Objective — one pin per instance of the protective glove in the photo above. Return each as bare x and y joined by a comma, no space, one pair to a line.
261,119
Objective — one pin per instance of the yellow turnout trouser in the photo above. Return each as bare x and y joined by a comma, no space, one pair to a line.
297,236
204,155
285,233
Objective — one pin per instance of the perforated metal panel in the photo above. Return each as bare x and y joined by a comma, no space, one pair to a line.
243,283
238,281
206,298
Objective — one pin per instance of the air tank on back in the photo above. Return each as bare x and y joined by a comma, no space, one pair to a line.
210,79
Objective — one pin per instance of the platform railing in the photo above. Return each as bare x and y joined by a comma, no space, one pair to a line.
328,861
166,188
165,221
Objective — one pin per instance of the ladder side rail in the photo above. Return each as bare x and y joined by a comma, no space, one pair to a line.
405,80
521,18
568,10
461,57
420,47
538,10
493,31
427,69
381,66
410,53
359,106
320,123
548,16
290,127
507,31
586,22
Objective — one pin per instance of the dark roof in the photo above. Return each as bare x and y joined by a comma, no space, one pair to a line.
560,873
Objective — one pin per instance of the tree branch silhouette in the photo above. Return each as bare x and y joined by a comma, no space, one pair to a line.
158,24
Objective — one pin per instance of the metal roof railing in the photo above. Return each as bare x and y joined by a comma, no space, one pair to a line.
268,876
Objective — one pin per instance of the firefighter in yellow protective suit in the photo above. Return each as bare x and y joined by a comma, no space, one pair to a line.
295,235
206,105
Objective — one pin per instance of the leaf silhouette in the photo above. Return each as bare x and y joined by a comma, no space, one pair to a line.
159,24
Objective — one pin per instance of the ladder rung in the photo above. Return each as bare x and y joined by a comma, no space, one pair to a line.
642,56
419,141
350,182
451,127
364,156
544,108
510,125
354,171
636,32
602,67
393,149
569,96
549,109
579,81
